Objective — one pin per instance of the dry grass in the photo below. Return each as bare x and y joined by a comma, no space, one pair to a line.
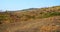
36,20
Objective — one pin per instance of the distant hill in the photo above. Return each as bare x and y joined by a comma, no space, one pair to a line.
31,20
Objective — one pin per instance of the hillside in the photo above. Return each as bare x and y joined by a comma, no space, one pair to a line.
31,20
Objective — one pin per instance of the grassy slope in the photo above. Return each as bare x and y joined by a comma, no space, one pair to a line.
31,17
27,15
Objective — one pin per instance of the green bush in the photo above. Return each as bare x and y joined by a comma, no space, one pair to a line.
49,14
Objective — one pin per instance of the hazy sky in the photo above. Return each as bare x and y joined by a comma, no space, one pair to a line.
24,4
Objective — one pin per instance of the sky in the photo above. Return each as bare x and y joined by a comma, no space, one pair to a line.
25,4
